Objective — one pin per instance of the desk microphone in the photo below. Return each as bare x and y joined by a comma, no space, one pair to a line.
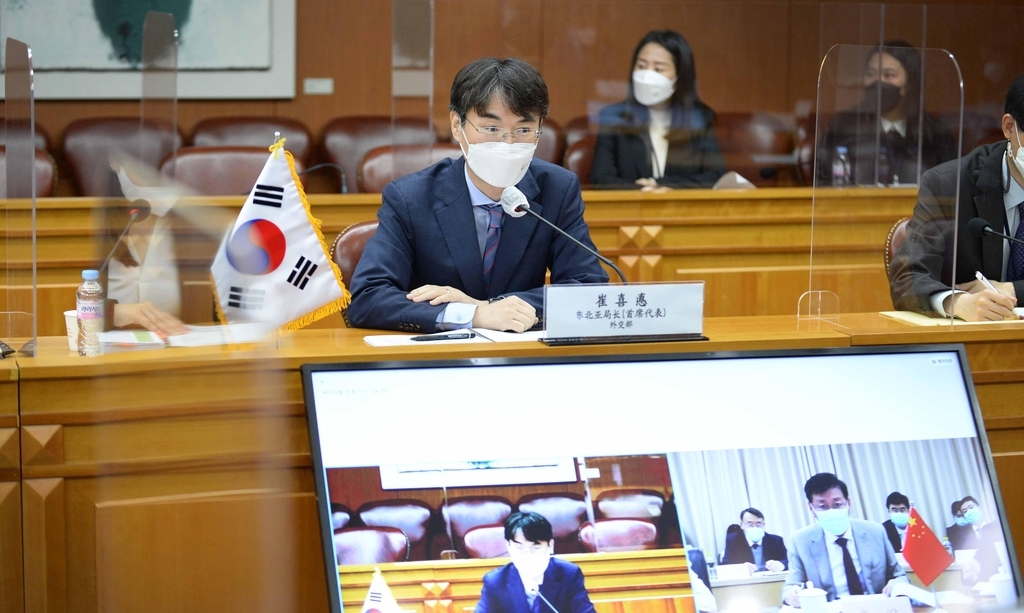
515,204
979,227
536,593
137,211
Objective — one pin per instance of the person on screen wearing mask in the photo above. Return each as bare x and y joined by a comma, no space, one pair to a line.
661,136
840,555
755,547
886,135
898,506
445,256
534,581
953,532
991,187
980,536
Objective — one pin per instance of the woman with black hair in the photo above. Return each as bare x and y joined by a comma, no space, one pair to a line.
661,136
888,140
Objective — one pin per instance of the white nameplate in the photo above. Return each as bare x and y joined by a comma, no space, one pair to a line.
650,309
876,603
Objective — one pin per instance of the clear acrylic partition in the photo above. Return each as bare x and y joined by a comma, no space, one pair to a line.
874,139
18,326
415,129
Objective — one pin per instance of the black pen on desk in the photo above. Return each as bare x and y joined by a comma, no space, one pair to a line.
454,336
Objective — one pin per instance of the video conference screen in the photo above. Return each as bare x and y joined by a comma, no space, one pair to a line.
820,480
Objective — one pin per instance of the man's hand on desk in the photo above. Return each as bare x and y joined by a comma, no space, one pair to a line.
984,305
441,294
975,287
887,590
775,566
512,314
146,315
751,568
792,596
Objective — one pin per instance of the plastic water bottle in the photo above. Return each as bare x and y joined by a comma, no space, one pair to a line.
841,167
947,545
90,313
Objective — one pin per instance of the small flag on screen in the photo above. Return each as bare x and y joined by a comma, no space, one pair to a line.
923,551
379,599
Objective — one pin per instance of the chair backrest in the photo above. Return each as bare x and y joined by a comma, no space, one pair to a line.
383,165
579,157
348,247
44,169
618,535
88,144
565,511
348,139
370,545
465,513
486,542
897,233
745,135
218,171
254,132
410,516
632,503
551,146
41,138
576,130
341,516
805,134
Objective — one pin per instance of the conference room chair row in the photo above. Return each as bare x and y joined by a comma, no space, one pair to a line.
471,526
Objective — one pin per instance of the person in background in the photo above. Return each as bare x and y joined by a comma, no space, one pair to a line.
887,134
755,547
840,555
661,136
956,533
982,537
898,506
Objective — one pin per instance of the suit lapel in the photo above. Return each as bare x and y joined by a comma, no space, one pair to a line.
865,555
990,207
820,550
515,235
454,215
516,591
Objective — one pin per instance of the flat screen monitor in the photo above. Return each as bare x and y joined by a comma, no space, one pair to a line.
673,482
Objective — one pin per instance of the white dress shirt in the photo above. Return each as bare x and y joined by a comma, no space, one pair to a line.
835,558
661,121
155,280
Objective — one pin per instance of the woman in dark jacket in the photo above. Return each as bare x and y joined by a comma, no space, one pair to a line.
661,135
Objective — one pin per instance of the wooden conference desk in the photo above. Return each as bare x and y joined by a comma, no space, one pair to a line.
179,479
751,247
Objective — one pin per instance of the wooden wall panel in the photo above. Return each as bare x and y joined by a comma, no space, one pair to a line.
11,561
46,563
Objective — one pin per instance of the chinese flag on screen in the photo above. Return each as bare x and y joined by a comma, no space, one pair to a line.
923,551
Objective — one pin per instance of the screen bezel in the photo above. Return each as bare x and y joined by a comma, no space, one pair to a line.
320,473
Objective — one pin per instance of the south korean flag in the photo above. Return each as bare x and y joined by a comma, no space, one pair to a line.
272,266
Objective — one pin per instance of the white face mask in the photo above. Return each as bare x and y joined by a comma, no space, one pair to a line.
650,87
1018,159
499,163
531,566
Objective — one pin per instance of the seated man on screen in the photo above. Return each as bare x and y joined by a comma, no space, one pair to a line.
445,256
955,533
755,547
982,537
534,582
898,506
991,187
840,555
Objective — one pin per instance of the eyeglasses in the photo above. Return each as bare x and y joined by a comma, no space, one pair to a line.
494,133
835,506
534,548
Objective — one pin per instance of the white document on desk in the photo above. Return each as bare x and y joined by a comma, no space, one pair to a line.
482,336
920,319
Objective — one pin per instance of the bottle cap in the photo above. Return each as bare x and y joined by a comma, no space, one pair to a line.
90,275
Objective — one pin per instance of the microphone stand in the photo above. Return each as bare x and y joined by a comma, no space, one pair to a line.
526,208
135,215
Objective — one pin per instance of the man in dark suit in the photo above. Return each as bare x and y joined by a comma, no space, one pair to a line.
898,506
534,582
755,547
991,186
958,533
445,256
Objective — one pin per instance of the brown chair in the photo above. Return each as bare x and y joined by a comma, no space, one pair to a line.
486,542
897,233
566,512
348,247
370,545
218,171
88,144
254,132
45,171
41,138
551,146
579,158
576,130
742,136
411,516
805,134
383,165
618,535
341,516
348,139
630,503
465,513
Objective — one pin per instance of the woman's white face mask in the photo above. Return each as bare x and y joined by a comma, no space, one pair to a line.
651,87
499,163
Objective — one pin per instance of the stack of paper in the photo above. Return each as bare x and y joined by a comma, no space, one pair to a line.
115,341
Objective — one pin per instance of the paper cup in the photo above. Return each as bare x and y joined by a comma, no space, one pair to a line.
71,321
813,600
1002,585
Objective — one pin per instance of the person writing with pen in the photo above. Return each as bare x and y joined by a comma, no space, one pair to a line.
975,205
